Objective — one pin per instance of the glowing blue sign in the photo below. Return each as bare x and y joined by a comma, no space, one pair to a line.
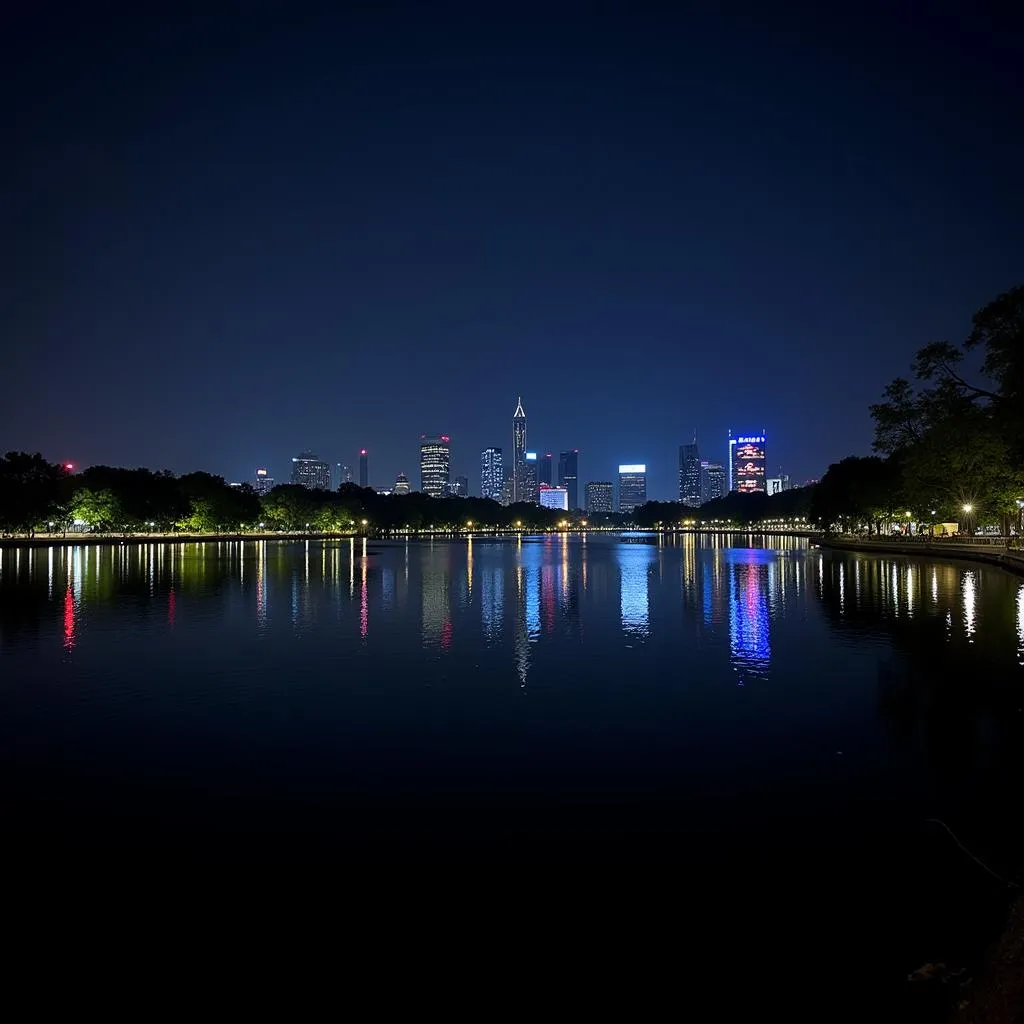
531,456
750,440
638,467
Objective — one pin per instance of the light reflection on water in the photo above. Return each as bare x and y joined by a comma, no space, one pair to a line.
732,599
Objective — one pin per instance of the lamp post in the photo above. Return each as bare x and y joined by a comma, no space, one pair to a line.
968,509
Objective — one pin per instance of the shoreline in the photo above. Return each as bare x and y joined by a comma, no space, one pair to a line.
1011,561
111,539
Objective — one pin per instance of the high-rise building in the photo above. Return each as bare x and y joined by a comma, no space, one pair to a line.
518,451
714,481
554,497
344,474
460,488
689,474
544,466
264,482
401,484
632,486
778,484
364,468
435,465
568,472
309,471
507,490
528,478
599,495
492,474
746,463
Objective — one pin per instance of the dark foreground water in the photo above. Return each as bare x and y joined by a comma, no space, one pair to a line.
741,744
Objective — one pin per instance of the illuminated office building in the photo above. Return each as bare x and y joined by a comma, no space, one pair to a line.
632,486
519,452
689,474
714,482
554,497
492,474
746,463
344,474
309,471
364,468
778,484
264,482
544,466
435,465
401,484
599,495
460,488
568,472
528,479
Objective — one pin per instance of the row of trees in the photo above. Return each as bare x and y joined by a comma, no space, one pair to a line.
950,443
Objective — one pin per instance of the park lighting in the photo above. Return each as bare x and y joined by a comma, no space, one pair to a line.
261,526
583,522
968,509
519,523
365,521
469,524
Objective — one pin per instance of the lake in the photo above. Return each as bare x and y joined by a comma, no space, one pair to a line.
754,721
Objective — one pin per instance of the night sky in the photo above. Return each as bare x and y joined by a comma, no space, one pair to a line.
227,239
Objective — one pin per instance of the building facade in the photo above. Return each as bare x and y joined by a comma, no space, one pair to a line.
545,465
599,495
309,471
460,487
689,475
528,479
264,482
554,497
518,451
568,476
778,484
714,481
364,468
402,485
632,486
344,474
492,474
435,465
747,464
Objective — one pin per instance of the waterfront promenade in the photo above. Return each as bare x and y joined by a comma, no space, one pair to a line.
989,552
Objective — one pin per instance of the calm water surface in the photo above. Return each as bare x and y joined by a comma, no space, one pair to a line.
751,718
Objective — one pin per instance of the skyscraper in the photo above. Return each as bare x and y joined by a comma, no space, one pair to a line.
746,463
264,482
435,465
309,471
568,471
518,451
689,474
544,466
528,479
460,488
492,474
344,474
713,481
632,486
364,468
599,496
401,484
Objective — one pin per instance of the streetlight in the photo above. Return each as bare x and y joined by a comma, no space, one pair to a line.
365,521
261,526
469,524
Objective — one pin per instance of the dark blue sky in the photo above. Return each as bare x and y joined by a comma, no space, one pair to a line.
227,239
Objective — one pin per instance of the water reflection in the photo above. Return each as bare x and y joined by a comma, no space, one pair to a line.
749,635
634,603
731,598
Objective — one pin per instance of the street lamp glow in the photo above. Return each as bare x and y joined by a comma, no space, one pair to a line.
968,509
365,521
469,524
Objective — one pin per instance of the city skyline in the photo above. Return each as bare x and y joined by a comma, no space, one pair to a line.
743,227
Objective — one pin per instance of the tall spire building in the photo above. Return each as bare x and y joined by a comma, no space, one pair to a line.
519,484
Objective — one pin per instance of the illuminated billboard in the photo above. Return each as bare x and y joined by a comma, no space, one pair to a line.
747,462
638,467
